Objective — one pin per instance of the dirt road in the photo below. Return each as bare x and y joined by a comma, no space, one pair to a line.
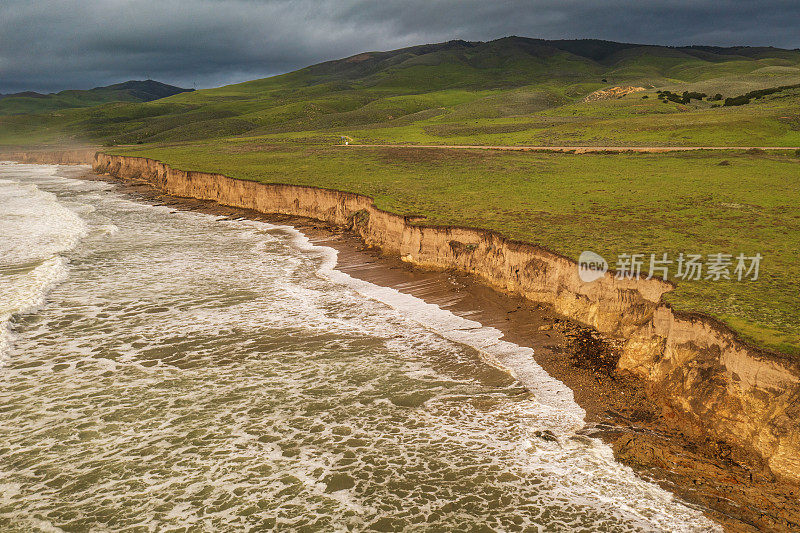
575,149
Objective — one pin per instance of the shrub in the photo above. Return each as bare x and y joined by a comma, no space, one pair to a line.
672,97
737,100
745,98
693,95
684,98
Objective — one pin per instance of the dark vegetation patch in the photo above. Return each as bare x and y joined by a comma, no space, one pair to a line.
684,98
747,97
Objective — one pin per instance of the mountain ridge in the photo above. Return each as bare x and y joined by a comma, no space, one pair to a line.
127,91
432,86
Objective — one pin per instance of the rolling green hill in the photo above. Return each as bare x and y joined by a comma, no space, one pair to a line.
130,91
509,91
517,91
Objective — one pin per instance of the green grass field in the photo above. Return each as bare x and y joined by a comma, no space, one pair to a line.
509,91
692,202
515,91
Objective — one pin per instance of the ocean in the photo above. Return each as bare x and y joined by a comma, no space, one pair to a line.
166,370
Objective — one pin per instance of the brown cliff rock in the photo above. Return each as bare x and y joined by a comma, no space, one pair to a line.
705,379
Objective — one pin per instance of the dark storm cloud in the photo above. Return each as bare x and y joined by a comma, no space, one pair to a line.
79,44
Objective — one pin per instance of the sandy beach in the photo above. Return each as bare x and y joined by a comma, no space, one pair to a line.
706,474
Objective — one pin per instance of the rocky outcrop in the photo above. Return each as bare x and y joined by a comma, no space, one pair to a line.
706,379
714,385
613,92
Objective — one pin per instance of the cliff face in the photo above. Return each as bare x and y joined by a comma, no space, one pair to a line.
711,383
610,305
706,380
79,156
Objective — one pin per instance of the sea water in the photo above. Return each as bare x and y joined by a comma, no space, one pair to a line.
162,370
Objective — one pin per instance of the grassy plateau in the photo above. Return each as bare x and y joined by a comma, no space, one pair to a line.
517,91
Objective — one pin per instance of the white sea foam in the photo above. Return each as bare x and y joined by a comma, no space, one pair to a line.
212,366
589,463
34,224
24,293
550,394
36,229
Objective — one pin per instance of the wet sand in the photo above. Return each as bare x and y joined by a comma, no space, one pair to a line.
707,474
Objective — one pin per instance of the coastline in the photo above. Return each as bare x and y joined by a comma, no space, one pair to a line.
708,382
628,412
619,409
47,156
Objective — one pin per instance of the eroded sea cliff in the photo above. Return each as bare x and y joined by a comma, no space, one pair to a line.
707,380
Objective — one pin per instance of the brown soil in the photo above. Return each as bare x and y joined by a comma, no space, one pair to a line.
613,92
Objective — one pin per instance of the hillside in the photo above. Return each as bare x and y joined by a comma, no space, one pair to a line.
509,91
517,91
130,91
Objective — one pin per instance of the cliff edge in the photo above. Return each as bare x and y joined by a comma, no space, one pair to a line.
707,380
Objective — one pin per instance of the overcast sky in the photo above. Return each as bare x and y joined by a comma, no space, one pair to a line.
57,44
